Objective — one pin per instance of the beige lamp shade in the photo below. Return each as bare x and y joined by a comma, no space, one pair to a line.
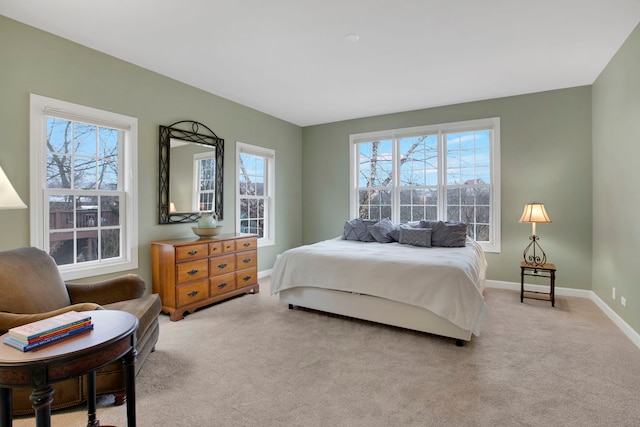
9,199
534,212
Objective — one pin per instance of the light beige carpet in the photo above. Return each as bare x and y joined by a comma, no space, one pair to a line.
251,361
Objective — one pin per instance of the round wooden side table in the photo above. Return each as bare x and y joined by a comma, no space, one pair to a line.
113,337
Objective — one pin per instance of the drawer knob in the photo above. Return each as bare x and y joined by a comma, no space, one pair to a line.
222,285
193,293
246,260
222,265
192,272
246,278
247,244
192,252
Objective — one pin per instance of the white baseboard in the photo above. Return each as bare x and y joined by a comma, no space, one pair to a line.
265,273
620,323
581,293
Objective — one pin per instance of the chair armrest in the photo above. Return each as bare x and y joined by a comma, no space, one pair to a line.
129,286
11,320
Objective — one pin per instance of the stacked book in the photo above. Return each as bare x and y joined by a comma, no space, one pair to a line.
45,331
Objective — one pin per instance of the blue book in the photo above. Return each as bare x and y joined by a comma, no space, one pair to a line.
10,341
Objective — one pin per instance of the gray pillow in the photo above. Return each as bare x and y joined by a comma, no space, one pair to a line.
395,234
447,234
381,231
415,236
358,229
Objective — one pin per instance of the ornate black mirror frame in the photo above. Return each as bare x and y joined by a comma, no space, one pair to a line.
199,134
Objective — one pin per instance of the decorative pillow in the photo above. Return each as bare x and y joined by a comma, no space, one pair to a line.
358,229
381,230
351,229
428,223
369,223
449,234
395,234
415,236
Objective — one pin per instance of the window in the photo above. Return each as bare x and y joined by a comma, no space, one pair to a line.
204,174
446,172
255,169
83,187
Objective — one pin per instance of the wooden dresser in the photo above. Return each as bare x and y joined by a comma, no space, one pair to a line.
194,272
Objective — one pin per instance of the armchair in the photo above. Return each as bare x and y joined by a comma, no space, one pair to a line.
31,289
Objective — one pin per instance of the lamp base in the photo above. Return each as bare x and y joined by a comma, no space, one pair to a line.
534,259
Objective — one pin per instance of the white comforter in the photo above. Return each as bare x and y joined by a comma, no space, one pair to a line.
447,281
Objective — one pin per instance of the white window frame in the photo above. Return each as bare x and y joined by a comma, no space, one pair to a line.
494,243
42,107
270,194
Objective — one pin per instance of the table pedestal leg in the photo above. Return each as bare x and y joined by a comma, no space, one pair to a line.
91,400
130,367
5,407
42,399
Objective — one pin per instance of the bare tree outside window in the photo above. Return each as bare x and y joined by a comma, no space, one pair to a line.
82,168
443,176
252,194
418,191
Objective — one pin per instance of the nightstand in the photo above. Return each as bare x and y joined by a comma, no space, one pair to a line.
545,270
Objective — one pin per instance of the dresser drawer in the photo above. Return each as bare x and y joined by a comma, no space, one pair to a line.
184,253
246,277
246,244
215,248
246,259
194,270
193,292
221,284
228,246
222,264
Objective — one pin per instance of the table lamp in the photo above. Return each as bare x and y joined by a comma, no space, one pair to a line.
534,213
9,199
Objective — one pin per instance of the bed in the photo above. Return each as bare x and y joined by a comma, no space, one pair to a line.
437,290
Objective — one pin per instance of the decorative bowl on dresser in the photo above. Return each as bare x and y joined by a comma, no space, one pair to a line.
207,232
195,272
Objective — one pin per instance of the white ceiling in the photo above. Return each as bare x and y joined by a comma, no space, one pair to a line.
290,58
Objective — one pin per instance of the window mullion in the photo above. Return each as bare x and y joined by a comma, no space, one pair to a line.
442,175
395,192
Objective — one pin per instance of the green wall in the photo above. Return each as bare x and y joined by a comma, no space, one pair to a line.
545,156
548,154
37,62
616,197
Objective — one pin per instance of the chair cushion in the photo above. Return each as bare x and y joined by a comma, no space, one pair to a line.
146,309
30,282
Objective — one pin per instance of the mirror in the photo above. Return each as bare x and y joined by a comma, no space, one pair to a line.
191,171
